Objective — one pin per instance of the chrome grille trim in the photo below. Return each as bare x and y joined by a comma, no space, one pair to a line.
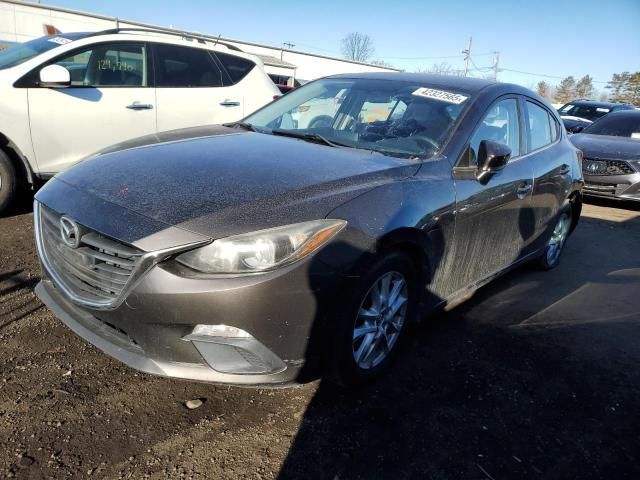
606,167
110,270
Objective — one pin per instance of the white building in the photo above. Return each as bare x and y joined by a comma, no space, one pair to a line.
21,21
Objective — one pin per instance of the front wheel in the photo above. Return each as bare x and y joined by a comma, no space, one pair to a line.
551,255
374,320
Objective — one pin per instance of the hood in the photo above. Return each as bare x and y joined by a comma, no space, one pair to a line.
607,147
229,183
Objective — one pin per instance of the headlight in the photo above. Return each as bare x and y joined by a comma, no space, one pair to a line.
262,250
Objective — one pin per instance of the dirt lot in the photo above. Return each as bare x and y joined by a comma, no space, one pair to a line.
538,376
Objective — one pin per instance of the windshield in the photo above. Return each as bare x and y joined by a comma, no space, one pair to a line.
21,52
392,117
617,125
588,112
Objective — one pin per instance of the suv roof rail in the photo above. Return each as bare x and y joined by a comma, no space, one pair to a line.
170,31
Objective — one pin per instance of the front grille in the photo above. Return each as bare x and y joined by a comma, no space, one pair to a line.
592,166
96,272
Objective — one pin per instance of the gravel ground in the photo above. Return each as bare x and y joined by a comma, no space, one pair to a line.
537,376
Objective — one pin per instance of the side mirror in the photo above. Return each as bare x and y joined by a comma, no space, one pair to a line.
55,76
492,157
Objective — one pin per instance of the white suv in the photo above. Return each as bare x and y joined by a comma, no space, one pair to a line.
63,97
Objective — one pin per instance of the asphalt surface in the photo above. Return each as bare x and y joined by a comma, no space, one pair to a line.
536,377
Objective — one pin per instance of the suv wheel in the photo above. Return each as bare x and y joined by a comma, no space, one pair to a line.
551,256
8,182
375,320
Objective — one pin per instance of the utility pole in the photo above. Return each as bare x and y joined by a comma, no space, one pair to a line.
467,57
286,44
496,65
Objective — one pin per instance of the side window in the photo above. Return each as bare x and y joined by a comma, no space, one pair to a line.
107,65
177,67
237,67
500,124
539,126
555,129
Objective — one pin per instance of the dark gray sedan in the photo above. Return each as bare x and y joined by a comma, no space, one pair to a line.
275,249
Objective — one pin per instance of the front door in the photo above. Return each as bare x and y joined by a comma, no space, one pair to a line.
109,101
190,89
493,221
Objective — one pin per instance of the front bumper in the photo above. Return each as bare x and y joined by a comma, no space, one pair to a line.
620,187
280,310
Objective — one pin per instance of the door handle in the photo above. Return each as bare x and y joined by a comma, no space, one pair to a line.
230,103
564,169
140,106
524,189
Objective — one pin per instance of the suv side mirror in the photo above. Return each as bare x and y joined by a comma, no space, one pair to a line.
55,76
492,157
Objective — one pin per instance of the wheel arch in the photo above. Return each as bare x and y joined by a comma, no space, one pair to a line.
18,159
575,201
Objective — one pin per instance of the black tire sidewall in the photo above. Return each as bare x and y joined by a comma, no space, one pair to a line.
343,367
9,187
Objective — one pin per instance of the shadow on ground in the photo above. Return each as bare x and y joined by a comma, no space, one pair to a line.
536,377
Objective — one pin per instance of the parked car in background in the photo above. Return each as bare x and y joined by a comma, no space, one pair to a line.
611,148
256,253
581,113
62,97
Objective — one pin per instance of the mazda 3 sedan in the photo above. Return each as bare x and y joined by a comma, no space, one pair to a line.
267,252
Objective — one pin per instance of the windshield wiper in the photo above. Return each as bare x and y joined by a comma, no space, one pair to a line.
243,125
310,137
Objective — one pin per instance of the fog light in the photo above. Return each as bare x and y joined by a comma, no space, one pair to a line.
232,350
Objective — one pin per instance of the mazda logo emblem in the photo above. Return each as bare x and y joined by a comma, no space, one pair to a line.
70,232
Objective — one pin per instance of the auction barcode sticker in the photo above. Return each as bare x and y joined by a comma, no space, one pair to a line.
440,95
60,40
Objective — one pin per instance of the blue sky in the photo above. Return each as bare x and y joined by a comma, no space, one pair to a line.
550,37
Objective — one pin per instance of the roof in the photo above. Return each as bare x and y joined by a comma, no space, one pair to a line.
467,84
274,61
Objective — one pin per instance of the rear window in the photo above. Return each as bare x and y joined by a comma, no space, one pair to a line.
616,125
178,66
237,67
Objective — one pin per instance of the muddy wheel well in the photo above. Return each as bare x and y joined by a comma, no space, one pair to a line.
25,175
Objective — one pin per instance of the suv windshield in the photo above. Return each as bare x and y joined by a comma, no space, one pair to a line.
392,117
588,112
616,125
21,52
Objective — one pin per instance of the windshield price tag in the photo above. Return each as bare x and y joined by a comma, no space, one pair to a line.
60,40
440,95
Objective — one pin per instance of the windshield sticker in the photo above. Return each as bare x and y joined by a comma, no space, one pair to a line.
440,95
60,40
600,109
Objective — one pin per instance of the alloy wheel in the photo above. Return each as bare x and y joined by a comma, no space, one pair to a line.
380,319
558,238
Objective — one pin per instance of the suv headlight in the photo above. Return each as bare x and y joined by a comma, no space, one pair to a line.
262,250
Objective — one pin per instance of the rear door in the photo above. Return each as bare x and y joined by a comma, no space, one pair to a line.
551,165
493,221
110,100
191,90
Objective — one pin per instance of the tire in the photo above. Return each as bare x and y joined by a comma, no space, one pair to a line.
8,182
550,257
349,364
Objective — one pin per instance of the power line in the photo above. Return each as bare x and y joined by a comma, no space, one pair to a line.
543,75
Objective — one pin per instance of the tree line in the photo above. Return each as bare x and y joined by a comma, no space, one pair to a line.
623,88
